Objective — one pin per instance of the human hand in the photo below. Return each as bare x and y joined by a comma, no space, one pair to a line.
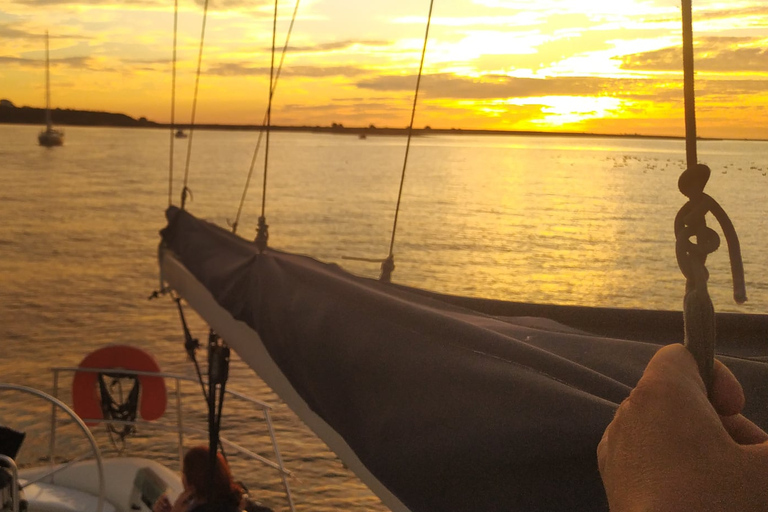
163,504
670,449
184,500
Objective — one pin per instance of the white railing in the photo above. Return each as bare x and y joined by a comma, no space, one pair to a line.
8,464
179,427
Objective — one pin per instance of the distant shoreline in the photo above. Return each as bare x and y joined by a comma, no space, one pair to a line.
404,131
67,117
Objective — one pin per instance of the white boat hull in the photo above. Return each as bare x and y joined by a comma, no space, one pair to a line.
76,487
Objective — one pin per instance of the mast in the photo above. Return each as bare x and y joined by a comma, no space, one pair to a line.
47,86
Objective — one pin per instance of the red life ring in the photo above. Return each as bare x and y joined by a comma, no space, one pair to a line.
85,391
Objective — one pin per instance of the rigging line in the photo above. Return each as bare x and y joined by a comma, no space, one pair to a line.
173,100
388,264
688,86
185,189
262,234
269,113
690,223
264,121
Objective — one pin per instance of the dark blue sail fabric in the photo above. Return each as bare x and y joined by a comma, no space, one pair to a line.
450,408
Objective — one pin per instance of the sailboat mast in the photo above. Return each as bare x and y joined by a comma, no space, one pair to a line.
688,90
47,85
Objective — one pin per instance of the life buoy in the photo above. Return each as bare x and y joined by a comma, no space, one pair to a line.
85,390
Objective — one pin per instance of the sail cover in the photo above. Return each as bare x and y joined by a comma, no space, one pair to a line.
436,407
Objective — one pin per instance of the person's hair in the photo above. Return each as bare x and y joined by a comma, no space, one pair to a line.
196,469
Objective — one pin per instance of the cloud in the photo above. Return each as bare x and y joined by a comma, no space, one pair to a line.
730,88
253,6
110,3
755,10
666,59
721,54
12,31
8,32
490,86
245,69
147,61
335,45
717,14
73,62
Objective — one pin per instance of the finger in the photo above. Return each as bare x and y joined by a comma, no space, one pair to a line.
602,451
743,431
673,365
613,428
727,393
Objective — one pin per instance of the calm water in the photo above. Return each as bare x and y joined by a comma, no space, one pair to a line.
542,219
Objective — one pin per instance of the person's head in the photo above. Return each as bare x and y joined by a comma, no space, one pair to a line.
195,475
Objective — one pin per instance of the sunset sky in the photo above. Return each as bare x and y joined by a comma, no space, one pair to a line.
604,66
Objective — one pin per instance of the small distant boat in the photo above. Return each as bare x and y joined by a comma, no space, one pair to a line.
362,136
50,136
180,134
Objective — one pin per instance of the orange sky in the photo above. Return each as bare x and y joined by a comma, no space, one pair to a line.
551,65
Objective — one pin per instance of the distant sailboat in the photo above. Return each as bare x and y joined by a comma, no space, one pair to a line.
180,134
49,136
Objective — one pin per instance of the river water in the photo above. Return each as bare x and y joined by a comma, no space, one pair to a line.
561,220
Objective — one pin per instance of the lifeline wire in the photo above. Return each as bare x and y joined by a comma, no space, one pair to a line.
388,264
263,123
185,190
173,100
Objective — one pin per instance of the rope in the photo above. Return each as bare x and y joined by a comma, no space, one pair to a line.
388,265
218,373
690,222
185,189
690,102
120,409
262,233
263,124
191,344
173,100
269,112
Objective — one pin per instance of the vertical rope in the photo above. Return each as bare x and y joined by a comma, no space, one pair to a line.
269,113
263,124
262,234
688,89
173,101
690,223
185,189
388,265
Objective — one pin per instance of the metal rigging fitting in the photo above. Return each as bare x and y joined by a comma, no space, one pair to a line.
262,234
387,267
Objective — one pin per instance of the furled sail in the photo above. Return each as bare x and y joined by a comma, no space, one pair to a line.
435,405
